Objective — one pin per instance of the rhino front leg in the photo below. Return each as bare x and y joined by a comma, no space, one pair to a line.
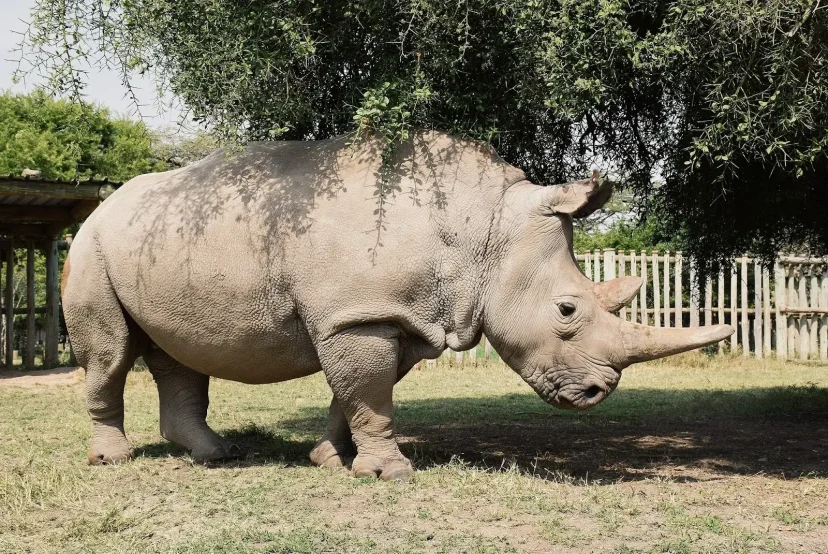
183,396
361,367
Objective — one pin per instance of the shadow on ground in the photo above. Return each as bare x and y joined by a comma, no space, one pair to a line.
638,434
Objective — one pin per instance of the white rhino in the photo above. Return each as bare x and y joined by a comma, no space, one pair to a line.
288,258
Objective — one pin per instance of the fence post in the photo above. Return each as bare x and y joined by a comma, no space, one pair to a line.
720,304
622,271
804,339
757,310
694,295
793,321
634,272
588,264
596,266
781,319
813,319
487,348
609,264
656,291
645,319
708,300
678,291
823,320
766,305
734,307
666,288
745,329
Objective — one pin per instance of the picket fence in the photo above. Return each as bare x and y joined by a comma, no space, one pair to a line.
782,313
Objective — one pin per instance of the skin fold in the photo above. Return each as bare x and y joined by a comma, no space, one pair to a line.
288,258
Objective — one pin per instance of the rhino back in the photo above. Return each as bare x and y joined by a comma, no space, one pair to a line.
256,255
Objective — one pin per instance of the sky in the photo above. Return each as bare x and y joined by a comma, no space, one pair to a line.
104,87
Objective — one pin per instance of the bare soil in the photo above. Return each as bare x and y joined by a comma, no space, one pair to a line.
41,377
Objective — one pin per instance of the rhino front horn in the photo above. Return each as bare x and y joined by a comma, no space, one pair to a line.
643,343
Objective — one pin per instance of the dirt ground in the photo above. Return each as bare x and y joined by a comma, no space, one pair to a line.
45,377
707,456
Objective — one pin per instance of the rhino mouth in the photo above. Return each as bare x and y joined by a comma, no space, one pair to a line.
579,396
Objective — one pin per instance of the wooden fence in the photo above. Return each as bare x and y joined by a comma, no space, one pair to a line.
783,312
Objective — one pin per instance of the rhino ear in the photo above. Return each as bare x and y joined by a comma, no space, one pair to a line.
617,293
578,198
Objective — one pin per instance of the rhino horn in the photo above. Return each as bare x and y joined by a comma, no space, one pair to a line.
643,343
617,293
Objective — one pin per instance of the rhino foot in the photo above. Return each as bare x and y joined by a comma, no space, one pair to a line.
110,452
394,469
216,453
329,454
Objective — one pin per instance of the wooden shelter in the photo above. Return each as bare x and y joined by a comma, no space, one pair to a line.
33,213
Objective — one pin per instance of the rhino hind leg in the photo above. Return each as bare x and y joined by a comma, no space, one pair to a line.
361,365
106,343
336,448
183,396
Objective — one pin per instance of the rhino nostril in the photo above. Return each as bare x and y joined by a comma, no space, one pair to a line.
593,392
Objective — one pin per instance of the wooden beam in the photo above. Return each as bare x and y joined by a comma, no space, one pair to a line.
66,191
81,210
35,214
30,304
9,301
52,306
22,230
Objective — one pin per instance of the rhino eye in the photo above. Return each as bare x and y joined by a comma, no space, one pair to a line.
566,308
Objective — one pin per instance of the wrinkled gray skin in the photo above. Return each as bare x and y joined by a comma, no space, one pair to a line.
290,258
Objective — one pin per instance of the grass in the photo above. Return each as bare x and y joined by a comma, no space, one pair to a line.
695,454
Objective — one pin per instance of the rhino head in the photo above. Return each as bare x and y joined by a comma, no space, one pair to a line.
551,323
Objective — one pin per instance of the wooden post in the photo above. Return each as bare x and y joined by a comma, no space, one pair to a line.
30,304
634,273
487,348
804,339
458,357
645,319
588,264
734,307
656,291
52,305
757,310
745,329
678,291
667,289
781,319
823,321
622,272
694,295
596,267
813,319
708,301
793,322
766,305
720,305
609,264
9,304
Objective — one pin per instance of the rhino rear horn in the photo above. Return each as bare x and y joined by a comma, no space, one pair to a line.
617,293
578,198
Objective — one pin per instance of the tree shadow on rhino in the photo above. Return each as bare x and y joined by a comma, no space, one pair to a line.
636,434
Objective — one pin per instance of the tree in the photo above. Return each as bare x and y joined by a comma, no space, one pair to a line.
65,140
725,100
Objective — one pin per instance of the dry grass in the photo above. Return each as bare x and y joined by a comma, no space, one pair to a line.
693,455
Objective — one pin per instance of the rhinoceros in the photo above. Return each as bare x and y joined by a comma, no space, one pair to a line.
283,259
